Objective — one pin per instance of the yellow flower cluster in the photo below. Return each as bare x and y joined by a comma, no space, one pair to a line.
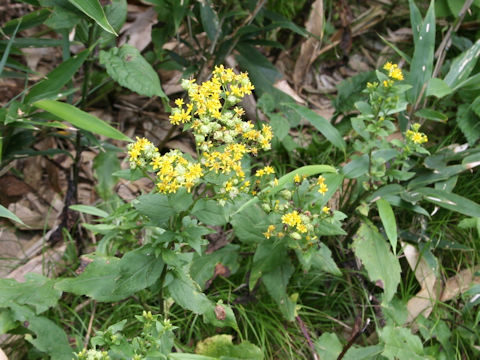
222,137
415,136
394,72
270,231
140,152
322,187
293,219
174,172
265,171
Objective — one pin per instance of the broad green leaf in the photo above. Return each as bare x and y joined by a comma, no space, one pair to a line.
268,257
87,209
222,347
116,13
364,353
250,225
64,16
202,267
276,282
280,125
49,338
137,270
186,292
97,280
468,122
105,164
322,260
401,344
422,61
4,212
37,291
156,207
321,124
210,21
357,167
220,315
181,356
94,10
209,212
80,119
462,66
130,69
438,88
56,79
432,115
328,346
450,201
388,220
372,249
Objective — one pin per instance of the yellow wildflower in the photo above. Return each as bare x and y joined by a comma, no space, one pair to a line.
292,218
325,209
269,232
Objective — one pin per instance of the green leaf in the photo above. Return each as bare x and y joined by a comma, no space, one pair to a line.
210,21
202,267
37,291
280,125
186,292
463,65
105,164
322,260
250,225
130,69
422,61
220,315
6,53
450,201
364,353
209,212
97,281
432,115
49,338
372,249
388,220
180,356
94,10
276,282
4,212
222,347
56,79
321,124
87,209
156,207
468,122
357,167
438,88
80,119
401,344
7,321
30,20
328,346
137,270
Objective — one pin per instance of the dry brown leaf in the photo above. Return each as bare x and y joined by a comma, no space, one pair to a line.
283,85
310,47
139,33
460,283
2,355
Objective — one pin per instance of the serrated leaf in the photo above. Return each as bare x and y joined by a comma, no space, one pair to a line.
328,346
96,281
137,270
37,291
94,10
388,220
209,212
80,119
372,249
276,282
130,69
321,124
401,344
186,293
